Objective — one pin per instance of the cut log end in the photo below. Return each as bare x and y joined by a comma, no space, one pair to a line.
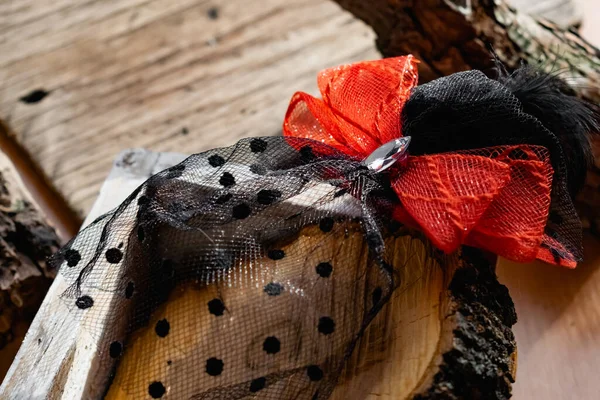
444,334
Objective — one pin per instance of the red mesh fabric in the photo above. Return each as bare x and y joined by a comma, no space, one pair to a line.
360,108
495,198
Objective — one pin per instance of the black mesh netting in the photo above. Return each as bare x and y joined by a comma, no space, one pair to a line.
469,111
271,254
250,234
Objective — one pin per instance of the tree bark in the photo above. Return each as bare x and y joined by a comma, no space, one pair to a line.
448,36
26,240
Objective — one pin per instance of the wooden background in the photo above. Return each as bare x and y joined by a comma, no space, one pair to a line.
82,80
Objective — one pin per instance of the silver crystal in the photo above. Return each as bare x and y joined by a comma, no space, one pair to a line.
387,154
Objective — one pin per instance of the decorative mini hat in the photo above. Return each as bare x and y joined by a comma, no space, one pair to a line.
284,245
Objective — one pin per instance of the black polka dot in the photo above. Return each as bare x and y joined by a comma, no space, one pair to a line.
216,160
241,211
175,172
271,345
227,179
276,254
306,154
129,290
169,362
72,257
267,196
214,366
114,255
258,169
224,198
34,96
340,193
162,328
140,233
257,384
326,325
273,288
258,145
324,269
326,224
116,349
314,373
84,302
216,307
376,295
156,390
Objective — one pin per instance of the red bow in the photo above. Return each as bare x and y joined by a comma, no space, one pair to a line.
494,198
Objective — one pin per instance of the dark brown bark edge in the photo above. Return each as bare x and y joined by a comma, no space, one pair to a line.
448,36
26,240
481,361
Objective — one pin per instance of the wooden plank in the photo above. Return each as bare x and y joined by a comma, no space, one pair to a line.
160,74
558,332
58,351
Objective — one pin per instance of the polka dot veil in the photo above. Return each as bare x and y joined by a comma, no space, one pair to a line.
243,272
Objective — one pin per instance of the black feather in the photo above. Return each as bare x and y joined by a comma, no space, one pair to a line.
553,102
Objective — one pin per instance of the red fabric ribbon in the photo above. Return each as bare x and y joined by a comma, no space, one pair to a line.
496,198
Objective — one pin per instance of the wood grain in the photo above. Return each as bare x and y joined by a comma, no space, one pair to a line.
558,332
182,75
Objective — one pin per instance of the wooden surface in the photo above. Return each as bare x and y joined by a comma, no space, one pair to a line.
137,72
558,328
168,75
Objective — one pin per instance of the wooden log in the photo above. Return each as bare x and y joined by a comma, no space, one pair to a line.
450,35
448,323
26,240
